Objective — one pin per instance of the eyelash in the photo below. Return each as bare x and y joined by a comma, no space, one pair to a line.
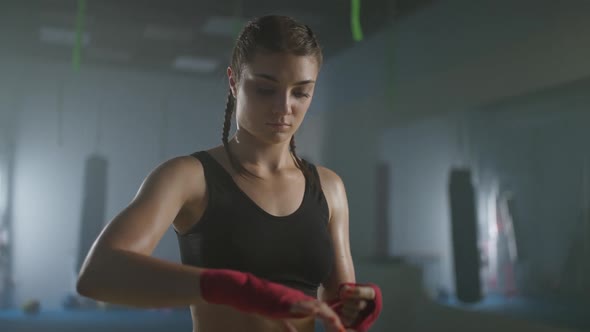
268,92
302,95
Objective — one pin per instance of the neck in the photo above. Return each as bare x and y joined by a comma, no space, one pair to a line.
260,156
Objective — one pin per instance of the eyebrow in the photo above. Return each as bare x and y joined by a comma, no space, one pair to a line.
272,78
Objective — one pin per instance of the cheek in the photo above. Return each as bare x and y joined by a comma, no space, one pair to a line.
248,104
248,113
301,107
256,105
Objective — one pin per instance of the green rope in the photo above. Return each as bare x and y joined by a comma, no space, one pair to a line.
355,20
77,51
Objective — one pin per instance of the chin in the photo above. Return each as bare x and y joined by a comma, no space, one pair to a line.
278,137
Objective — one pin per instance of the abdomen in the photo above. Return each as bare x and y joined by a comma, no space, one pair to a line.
218,318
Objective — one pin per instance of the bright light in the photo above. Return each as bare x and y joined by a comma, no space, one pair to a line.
491,225
61,36
224,26
163,33
3,191
195,64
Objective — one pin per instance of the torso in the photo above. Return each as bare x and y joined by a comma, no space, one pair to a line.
279,195
216,318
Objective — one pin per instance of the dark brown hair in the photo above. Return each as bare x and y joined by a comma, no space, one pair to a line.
269,34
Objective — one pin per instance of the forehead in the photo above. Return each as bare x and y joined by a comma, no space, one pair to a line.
283,66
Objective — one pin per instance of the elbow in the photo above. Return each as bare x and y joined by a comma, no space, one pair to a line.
85,287
90,279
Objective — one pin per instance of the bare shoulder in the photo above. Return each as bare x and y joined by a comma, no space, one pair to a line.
329,179
183,166
334,190
178,181
179,170
184,173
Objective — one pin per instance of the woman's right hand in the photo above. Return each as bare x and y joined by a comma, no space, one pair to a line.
319,310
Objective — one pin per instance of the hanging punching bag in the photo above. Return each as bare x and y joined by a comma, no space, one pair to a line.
383,200
464,236
93,205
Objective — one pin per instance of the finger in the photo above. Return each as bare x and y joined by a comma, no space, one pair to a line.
348,317
351,312
317,308
325,312
358,292
336,304
305,308
288,326
358,305
329,317
331,326
345,290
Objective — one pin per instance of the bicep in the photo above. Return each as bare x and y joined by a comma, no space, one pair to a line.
140,226
343,269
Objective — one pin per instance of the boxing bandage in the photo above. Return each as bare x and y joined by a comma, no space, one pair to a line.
367,316
248,293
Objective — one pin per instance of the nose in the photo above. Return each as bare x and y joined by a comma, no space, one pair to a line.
282,104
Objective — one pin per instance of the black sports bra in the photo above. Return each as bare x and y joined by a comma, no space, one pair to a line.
235,233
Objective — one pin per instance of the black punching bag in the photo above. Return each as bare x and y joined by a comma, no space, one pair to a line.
464,234
93,205
382,183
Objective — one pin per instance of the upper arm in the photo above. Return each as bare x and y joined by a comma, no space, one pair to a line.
140,226
343,270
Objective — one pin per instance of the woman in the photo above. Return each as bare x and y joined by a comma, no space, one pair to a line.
263,234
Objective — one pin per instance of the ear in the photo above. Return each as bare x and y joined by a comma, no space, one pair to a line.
232,81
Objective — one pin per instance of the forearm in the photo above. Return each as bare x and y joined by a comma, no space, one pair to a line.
136,280
132,279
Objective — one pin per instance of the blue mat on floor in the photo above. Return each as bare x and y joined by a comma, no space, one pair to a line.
100,321
96,321
574,315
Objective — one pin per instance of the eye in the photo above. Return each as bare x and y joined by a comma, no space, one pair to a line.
301,94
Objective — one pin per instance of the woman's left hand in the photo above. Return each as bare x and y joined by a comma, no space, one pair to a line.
354,301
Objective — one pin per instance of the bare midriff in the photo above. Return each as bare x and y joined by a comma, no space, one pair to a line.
219,318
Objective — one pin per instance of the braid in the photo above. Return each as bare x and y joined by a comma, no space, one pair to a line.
229,110
302,164
298,160
292,144
230,107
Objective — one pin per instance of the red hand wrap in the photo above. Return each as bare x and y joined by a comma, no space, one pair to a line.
248,293
366,317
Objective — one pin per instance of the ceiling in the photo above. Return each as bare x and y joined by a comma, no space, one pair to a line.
182,36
